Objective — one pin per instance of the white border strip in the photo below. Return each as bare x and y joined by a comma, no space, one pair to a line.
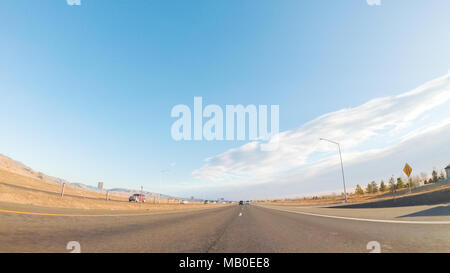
363,219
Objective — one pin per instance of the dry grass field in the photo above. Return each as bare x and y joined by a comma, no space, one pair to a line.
354,198
17,188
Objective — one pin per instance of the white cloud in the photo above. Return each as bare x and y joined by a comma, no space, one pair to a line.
364,132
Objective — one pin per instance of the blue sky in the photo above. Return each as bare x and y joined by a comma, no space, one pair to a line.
86,91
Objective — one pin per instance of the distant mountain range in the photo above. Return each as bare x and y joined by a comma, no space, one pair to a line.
17,167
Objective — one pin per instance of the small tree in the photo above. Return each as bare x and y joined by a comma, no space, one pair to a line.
374,187
435,176
369,188
400,183
359,190
382,186
392,185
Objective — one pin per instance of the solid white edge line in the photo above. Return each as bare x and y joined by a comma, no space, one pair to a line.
363,219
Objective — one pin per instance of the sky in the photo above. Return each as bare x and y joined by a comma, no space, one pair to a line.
86,91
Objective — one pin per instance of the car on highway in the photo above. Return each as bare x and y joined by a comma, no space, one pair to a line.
184,202
241,203
247,202
137,197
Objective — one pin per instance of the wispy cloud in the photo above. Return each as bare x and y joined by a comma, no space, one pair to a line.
364,131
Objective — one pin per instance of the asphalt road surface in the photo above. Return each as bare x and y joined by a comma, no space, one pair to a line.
239,229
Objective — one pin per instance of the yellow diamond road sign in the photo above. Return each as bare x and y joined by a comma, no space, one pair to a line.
407,169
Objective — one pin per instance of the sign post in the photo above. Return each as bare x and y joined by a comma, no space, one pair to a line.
407,170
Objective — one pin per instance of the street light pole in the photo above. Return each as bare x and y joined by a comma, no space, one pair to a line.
342,165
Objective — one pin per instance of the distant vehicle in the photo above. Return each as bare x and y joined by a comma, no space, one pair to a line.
241,203
137,197
247,202
206,202
184,202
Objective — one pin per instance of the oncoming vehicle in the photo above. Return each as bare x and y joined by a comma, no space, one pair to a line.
241,203
247,202
137,197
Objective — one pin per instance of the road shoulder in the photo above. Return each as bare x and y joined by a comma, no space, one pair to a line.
414,214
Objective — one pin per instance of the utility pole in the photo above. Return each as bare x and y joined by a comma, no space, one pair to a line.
62,190
342,165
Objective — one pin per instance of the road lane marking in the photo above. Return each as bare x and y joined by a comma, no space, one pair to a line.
366,220
240,214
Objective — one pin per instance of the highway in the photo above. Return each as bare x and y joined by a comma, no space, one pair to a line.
235,229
